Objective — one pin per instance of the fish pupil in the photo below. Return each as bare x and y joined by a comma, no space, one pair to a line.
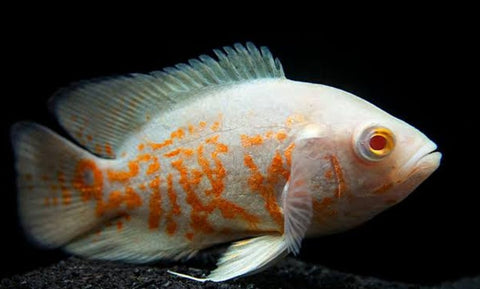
378,142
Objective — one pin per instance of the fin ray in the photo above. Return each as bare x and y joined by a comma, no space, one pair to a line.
245,257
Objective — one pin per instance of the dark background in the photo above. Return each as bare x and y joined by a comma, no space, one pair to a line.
420,70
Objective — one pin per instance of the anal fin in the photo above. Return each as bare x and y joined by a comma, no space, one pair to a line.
246,257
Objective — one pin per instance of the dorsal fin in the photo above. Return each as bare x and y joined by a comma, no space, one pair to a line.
101,114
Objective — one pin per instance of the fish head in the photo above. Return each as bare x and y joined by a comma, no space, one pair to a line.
377,160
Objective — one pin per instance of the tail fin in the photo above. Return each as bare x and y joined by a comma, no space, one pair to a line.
51,209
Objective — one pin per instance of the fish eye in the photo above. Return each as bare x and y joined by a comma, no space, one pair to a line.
375,143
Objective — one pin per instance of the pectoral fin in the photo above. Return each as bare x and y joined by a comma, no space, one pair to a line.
246,257
310,147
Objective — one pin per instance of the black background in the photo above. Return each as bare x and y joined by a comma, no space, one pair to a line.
420,69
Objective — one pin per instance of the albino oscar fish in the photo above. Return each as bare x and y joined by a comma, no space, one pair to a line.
217,150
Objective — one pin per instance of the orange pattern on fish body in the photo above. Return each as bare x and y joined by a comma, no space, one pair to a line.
123,176
256,184
155,204
89,180
175,208
251,141
342,187
94,187
66,194
154,167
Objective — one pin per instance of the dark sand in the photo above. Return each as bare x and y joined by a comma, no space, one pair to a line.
75,272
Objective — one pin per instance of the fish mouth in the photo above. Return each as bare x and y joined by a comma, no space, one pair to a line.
423,163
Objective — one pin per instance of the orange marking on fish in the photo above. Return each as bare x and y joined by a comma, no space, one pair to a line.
276,169
155,204
299,183
108,149
215,176
144,158
179,133
294,119
341,188
189,236
383,189
132,199
230,210
89,137
328,174
93,188
202,124
141,147
281,135
269,134
190,129
200,211
66,197
98,148
158,146
175,208
198,218
122,176
119,225
173,153
188,152
154,166
248,141
215,126
66,194
219,147
288,154
115,200
213,139
171,226
256,184
142,187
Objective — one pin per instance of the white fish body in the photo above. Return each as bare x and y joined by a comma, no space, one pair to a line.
209,153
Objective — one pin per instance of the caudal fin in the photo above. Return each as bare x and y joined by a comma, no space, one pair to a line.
52,210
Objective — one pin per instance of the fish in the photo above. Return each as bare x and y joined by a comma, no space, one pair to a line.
224,149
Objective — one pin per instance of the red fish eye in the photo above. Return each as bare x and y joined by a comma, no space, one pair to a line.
378,142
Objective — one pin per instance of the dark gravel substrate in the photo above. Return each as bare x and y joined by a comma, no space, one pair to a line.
290,273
